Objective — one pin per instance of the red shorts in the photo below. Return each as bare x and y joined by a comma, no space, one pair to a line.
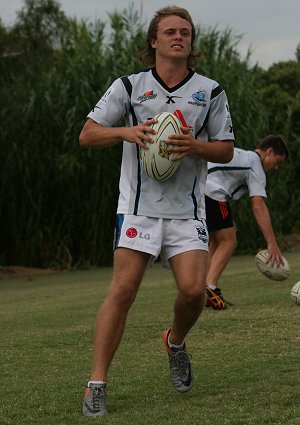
218,214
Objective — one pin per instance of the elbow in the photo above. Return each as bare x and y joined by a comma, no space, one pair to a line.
82,139
84,135
228,157
228,153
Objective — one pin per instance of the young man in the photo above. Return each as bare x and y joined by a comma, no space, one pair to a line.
246,172
172,212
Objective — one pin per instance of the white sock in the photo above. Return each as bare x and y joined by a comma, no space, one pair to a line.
212,286
96,383
177,347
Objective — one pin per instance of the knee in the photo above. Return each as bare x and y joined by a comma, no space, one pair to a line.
228,244
194,295
122,296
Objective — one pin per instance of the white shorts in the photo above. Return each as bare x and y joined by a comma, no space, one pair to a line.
160,236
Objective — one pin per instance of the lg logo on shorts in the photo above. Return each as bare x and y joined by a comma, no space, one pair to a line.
132,233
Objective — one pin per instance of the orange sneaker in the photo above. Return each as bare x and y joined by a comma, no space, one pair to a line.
181,373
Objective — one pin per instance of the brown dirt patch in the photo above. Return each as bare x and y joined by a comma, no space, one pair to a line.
13,272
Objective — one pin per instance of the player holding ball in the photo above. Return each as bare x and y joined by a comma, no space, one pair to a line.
171,213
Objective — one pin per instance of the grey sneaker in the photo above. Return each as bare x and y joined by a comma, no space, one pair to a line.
94,403
180,367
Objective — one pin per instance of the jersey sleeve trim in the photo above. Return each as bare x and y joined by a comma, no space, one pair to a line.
216,91
127,85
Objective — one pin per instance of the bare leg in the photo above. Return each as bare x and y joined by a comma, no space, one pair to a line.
221,247
129,267
189,269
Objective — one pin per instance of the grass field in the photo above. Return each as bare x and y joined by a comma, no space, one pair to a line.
246,359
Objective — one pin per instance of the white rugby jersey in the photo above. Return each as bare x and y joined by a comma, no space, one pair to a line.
203,105
230,181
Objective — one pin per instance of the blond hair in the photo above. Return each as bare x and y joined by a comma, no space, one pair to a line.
147,55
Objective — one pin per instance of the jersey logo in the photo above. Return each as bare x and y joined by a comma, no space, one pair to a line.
198,99
170,99
106,95
96,107
146,96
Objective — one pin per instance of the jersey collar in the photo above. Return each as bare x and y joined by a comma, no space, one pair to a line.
171,90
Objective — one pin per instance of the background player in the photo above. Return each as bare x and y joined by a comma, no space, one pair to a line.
246,172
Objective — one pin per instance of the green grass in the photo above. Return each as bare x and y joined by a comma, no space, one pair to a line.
246,359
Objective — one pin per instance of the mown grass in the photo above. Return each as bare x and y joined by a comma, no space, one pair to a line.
246,359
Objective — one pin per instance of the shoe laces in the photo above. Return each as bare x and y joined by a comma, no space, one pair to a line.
182,359
214,293
97,396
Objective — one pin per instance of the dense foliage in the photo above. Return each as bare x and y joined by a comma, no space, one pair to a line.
57,201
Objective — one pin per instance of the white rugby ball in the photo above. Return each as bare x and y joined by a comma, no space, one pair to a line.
295,293
156,160
281,272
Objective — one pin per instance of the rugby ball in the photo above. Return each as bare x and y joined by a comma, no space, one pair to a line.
295,293
156,161
281,272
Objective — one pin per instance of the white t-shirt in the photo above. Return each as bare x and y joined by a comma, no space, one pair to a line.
137,97
230,181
